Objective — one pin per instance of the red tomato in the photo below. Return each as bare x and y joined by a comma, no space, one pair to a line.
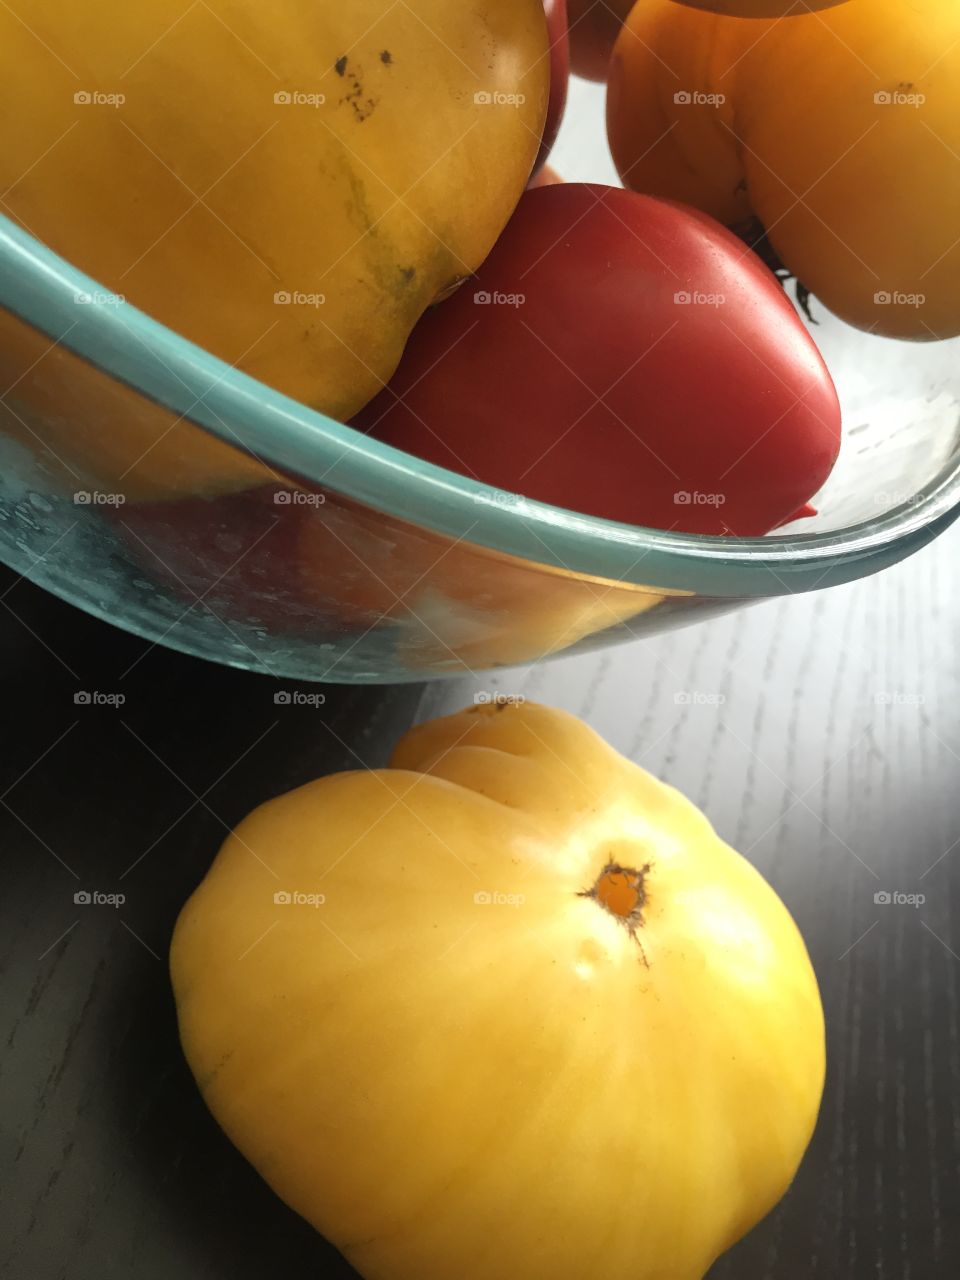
594,27
624,357
556,11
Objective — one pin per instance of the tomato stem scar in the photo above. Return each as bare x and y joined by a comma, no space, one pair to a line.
623,892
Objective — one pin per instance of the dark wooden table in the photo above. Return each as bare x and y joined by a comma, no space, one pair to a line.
822,736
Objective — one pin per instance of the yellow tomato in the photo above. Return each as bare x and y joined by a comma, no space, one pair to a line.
82,430
838,131
288,185
509,1007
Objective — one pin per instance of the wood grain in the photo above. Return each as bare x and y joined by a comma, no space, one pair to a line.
819,733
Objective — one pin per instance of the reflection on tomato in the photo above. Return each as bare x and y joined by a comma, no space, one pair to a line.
233,554
294,560
623,357
453,605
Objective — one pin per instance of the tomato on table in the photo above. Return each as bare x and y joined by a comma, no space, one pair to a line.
508,1008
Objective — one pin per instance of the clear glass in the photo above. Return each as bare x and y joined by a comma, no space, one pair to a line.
151,484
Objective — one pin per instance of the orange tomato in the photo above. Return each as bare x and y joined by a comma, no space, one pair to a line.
836,132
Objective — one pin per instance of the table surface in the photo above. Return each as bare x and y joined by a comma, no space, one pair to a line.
820,734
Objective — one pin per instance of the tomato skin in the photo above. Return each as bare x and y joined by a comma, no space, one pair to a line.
600,392
686,151
558,31
594,27
838,132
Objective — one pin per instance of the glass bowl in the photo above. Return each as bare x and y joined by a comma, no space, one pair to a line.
156,487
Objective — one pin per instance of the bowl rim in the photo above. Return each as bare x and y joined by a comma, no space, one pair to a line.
44,290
